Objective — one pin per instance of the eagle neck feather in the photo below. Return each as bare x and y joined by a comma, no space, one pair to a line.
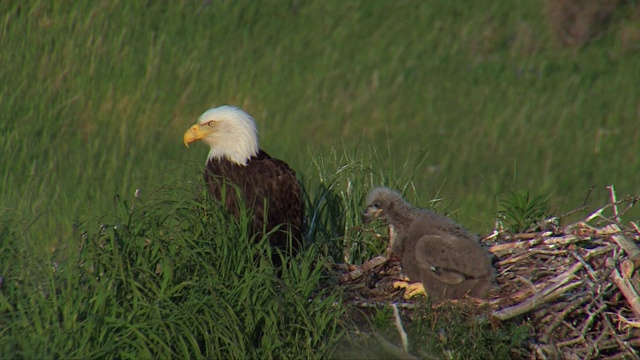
240,158
236,152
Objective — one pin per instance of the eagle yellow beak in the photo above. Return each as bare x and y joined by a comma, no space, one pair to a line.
194,133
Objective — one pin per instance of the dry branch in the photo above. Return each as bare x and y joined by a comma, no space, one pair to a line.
549,293
401,332
627,289
360,270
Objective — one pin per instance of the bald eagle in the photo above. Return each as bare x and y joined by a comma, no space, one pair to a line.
271,193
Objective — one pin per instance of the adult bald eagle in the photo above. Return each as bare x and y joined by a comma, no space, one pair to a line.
271,193
436,252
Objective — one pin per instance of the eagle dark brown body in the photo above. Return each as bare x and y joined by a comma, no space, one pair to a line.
271,193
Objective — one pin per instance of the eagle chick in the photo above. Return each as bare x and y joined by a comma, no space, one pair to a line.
435,251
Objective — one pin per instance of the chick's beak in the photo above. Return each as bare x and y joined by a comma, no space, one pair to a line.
194,133
370,214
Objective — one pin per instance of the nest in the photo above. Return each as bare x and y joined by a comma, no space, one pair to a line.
576,285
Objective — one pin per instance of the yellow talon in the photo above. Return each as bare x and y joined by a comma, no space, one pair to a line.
400,284
410,290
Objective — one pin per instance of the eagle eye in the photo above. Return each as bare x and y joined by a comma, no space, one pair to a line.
211,123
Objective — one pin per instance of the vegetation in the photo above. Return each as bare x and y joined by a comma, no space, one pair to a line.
171,278
522,211
450,331
454,104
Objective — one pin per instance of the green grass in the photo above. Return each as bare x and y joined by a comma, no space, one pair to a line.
166,277
450,331
454,104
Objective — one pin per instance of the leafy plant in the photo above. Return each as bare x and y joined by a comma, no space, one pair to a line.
521,211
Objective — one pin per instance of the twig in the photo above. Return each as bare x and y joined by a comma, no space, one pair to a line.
509,248
629,265
593,347
598,213
598,251
363,269
595,214
634,324
612,196
372,304
627,289
530,253
538,349
548,293
632,202
398,321
580,208
562,240
627,245
344,266
526,236
586,325
560,318
575,340
621,343
590,271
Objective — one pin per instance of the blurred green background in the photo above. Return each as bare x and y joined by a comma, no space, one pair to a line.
481,98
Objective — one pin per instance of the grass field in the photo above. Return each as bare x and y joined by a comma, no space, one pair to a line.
454,103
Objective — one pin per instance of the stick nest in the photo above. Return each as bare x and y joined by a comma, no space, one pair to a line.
576,285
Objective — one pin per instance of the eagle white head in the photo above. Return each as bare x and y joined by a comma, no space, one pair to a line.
230,133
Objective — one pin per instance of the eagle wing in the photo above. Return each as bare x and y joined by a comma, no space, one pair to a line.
270,191
276,195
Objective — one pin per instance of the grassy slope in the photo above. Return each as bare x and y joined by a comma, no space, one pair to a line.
96,96
477,97
165,277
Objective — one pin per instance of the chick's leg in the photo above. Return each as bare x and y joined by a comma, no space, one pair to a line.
410,290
